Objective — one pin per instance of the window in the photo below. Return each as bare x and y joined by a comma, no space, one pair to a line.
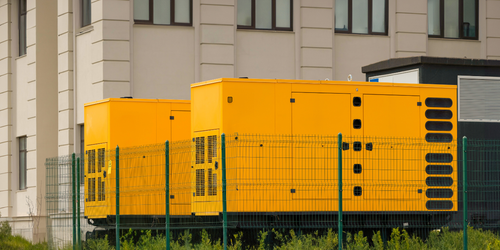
453,18
166,12
22,27
265,14
361,16
86,13
22,162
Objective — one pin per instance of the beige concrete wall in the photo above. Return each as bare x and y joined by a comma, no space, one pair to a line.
492,29
65,63
410,30
6,58
46,106
110,51
163,64
352,51
217,24
86,91
262,54
316,39
29,89
454,48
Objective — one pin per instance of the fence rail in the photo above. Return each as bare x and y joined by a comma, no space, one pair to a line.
252,182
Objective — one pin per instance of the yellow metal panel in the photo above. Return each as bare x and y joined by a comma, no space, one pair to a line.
391,116
330,114
135,122
128,118
179,129
164,127
208,102
97,122
253,106
180,185
263,107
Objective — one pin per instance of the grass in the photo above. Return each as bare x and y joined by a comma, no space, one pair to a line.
275,240
10,242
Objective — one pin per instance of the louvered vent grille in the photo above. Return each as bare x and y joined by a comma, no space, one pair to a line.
200,182
478,99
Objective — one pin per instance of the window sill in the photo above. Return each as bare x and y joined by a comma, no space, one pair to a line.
164,25
22,190
359,35
266,31
23,56
85,29
454,39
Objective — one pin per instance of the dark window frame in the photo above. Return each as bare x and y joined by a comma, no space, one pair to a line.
23,12
172,15
460,21
83,13
273,19
370,20
23,169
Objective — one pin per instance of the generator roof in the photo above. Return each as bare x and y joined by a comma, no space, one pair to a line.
127,99
321,82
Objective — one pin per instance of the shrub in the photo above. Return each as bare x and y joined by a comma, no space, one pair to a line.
357,241
97,244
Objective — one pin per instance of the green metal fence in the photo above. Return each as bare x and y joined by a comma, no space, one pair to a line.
226,184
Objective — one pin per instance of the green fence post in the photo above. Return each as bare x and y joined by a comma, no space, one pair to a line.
224,201
167,194
340,191
465,190
73,198
79,237
117,197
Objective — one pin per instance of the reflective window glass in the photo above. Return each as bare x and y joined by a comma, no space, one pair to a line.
341,15
283,12
86,14
182,11
141,9
245,12
451,19
263,14
433,13
469,24
378,16
161,12
360,16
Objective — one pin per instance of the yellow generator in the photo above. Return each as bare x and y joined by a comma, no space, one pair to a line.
126,123
259,180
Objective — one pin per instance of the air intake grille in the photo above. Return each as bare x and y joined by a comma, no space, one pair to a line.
91,161
478,99
200,150
200,182
100,159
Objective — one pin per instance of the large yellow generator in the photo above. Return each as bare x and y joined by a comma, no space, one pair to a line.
126,122
364,112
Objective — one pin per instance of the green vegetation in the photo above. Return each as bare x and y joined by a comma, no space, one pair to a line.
10,242
275,240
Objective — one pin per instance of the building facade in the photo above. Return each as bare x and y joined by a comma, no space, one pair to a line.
56,55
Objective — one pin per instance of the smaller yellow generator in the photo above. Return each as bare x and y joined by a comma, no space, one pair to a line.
126,123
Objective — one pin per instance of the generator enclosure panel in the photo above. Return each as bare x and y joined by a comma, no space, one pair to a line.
130,123
296,108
